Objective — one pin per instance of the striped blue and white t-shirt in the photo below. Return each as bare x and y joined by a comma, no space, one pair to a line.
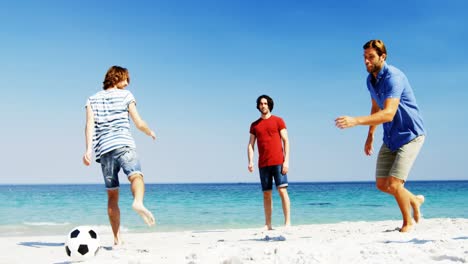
111,120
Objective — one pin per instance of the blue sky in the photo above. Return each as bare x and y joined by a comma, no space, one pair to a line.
196,69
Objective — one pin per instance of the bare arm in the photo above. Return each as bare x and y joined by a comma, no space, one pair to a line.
139,123
284,137
250,151
89,130
368,147
383,116
374,109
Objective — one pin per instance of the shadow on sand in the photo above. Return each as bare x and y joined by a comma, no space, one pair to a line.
414,241
267,238
41,244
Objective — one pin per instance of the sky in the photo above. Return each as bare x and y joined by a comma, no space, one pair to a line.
197,68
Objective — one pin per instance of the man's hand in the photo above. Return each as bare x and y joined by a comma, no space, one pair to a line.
251,167
285,168
345,122
87,158
368,148
152,135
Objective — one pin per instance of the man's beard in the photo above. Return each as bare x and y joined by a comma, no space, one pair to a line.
374,69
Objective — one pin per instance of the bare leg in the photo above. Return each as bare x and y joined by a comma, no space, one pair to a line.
403,199
138,190
395,187
416,202
114,213
283,192
268,207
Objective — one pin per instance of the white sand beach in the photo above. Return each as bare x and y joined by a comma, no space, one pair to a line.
432,241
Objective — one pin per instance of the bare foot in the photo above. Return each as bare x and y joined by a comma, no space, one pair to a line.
117,243
117,240
286,229
406,228
416,204
268,227
144,213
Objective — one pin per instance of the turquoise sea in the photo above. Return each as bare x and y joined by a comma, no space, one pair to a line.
55,209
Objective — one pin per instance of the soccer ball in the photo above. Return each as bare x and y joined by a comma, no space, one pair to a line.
82,243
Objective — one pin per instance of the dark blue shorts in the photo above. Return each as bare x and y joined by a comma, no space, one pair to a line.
267,174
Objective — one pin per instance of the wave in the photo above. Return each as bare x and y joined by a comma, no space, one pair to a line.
107,229
320,204
45,224
52,228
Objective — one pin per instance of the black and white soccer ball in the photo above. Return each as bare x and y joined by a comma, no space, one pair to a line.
82,243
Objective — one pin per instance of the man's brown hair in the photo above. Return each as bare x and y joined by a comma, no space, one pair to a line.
376,44
114,75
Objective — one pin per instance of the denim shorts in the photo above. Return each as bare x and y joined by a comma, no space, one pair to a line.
267,174
124,158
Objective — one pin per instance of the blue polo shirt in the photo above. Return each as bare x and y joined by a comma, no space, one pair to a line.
407,123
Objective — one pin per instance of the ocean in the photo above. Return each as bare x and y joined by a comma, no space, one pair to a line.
56,209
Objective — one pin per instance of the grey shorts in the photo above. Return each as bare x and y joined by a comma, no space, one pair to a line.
122,158
398,163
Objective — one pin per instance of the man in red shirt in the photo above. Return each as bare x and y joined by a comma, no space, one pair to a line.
273,161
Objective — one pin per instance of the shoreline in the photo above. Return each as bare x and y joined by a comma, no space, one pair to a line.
431,241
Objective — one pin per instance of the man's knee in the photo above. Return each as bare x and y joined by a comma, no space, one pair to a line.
382,185
389,185
393,187
112,197
283,191
136,176
267,195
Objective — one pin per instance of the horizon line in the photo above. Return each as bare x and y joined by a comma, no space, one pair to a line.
193,183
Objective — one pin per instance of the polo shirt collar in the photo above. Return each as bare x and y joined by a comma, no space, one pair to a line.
382,71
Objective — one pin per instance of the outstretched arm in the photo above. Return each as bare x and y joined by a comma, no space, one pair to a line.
139,123
89,130
284,137
250,151
383,116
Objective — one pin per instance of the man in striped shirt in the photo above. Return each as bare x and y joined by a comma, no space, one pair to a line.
108,130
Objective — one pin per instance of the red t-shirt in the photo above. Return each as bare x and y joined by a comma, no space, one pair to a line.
270,145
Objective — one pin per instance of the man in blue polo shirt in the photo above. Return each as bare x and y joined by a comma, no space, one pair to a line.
394,106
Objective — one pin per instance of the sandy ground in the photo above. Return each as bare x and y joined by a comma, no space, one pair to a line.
431,241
